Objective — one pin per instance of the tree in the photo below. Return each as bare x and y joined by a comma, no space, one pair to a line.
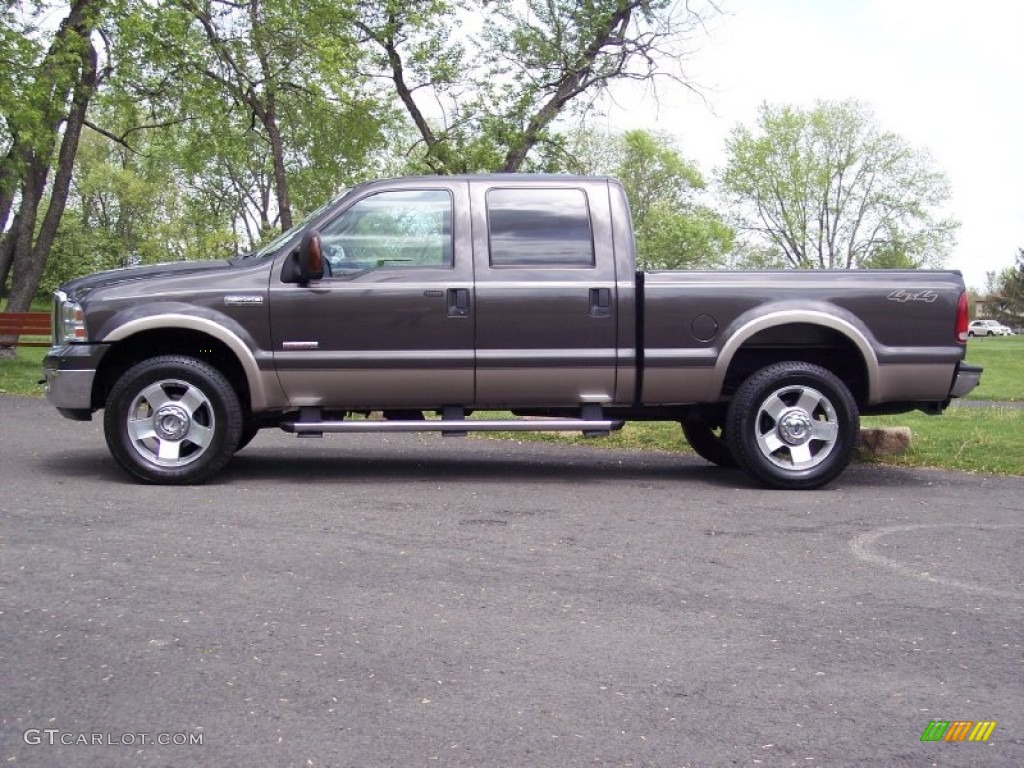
1006,291
673,228
43,122
272,95
829,189
488,101
133,206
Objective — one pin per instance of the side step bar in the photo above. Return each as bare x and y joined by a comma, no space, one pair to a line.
455,426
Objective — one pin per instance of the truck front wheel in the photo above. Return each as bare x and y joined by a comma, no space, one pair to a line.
172,419
793,425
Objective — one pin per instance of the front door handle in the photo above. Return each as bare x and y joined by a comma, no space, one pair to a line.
458,302
600,302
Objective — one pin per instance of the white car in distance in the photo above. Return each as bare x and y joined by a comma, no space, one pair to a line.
988,328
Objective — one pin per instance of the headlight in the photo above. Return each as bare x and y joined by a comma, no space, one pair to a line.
68,320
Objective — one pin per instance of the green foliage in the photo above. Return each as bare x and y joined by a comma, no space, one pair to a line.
130,207
685,238
829,189
38,69
181,164
514,69
748,255
673,229
262,101
20,52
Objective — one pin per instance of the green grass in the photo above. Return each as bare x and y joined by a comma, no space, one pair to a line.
37,305
1002,357
964,438
19,376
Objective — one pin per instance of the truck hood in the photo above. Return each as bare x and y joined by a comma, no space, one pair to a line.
79,287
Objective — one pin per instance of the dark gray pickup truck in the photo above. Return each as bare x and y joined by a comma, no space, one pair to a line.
424,300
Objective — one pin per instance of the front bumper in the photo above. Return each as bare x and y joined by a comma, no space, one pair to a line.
70,371
966,379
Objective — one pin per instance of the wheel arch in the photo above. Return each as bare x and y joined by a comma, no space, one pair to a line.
810,336
196,337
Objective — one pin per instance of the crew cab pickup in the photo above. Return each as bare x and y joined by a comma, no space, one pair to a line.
414,303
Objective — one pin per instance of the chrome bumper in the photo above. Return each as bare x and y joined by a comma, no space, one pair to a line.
69,372
967,378
69,389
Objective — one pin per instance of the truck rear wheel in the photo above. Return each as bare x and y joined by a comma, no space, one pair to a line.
704,429
172,419
249,431
793,425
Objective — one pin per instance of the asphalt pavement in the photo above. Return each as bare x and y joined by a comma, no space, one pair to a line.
428,601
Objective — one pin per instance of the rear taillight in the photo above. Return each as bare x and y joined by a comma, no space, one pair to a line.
962,319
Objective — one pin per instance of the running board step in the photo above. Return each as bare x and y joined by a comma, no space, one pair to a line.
456,426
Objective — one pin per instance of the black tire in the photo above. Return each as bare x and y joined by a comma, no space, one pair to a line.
172,420
793,426
704,429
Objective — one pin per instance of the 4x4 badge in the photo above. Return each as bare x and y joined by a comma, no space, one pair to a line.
904,296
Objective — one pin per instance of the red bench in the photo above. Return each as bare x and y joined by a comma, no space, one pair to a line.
16,325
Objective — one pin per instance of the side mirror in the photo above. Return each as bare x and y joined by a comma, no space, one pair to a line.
311,257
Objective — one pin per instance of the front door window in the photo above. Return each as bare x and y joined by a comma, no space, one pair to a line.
401,229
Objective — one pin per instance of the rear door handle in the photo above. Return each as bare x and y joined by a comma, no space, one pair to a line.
458,302
600,302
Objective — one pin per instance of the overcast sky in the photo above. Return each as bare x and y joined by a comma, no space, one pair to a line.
947,76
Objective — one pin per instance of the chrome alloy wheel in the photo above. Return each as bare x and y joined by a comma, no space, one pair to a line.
797,427
171,423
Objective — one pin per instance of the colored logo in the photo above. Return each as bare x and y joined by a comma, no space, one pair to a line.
958,730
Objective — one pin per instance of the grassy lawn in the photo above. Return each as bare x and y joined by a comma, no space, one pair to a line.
19,376
964,438
1002,357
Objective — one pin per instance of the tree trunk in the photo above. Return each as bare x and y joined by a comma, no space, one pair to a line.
284,205
8,185
84,90
31,193
7,241
30,250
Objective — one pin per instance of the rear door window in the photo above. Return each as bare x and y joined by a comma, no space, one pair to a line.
539,227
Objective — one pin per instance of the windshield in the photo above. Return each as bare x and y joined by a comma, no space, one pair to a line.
284,237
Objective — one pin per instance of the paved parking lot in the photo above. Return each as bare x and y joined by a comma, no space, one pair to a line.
404,601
